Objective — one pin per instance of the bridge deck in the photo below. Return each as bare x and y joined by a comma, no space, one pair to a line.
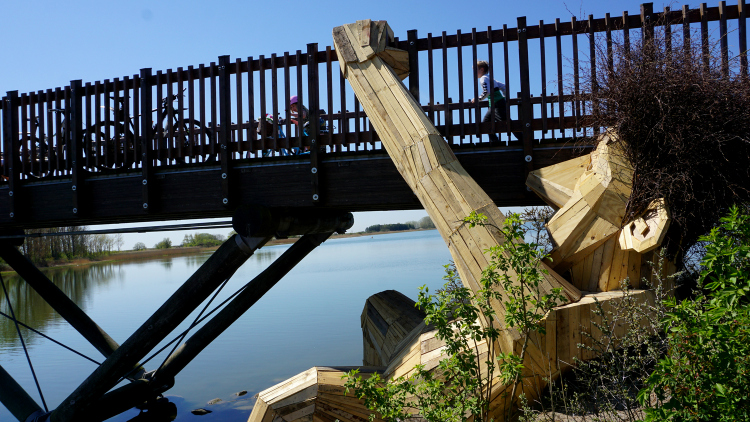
352,182
187,142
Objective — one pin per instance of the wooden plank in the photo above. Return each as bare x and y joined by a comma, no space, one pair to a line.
607,261
585,321
343,45
634,269
301,396
563,336
550,338
260,410
574,316
596,267
618,256
624,266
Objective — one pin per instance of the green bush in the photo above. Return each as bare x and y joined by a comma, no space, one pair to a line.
705,375
459,387
166,243
140,246
202,239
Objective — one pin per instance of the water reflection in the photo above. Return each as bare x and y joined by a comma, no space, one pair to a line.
161,411
267,256
76,282
311,317
167,263
195,261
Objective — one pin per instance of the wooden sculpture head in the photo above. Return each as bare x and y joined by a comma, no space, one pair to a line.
592,236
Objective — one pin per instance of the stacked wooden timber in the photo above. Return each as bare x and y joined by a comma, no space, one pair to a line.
591,240
388,317
425,161
594,244
316,395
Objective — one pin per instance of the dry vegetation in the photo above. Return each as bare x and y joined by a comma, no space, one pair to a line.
685,122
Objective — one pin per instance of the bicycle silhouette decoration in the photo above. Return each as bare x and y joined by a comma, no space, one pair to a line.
113,145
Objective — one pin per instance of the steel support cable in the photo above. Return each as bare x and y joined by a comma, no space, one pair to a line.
51,339
196,321
199,318
182,335
23,343
142,229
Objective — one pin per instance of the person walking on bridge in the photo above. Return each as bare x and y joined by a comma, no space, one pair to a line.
496,93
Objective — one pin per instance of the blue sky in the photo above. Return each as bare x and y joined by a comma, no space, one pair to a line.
46,44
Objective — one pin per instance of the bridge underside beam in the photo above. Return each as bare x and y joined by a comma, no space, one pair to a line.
346,183
258,224
15,398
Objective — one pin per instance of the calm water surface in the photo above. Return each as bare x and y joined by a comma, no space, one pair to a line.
310,318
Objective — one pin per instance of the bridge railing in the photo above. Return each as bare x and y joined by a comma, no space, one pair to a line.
216,113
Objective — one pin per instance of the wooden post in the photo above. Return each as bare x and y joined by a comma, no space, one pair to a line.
459,54
742,32
411,36
560,103
146,136
220,266
425,160
313,94
647,22
12,159
723,38
225,134
432,171
527,111
592,58
543,65
15,398
448,113
704,38
686,30
668,32
58,300
75,136
576,80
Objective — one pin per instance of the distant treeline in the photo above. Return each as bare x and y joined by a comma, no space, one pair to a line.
61,247
203,240
423,223
41,250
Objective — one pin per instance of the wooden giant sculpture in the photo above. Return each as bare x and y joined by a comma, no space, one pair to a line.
595,245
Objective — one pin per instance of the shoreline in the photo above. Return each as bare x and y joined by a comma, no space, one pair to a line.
150,254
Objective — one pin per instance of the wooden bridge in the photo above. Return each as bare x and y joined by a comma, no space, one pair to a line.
185,143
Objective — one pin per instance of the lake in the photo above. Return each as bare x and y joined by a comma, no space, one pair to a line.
310,318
